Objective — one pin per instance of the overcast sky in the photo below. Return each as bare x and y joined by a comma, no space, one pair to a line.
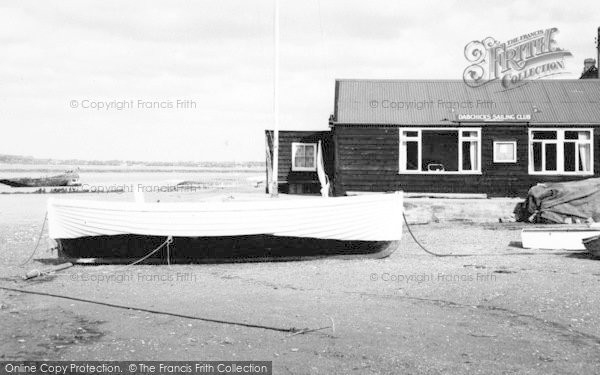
57,55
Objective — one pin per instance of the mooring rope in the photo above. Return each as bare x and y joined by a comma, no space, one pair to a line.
169,250
38,240
429,251
167,242
177,315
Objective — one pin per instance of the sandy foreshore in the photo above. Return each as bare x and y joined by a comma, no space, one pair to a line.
501,309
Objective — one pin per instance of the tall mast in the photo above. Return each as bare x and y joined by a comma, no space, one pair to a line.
598,52
275,187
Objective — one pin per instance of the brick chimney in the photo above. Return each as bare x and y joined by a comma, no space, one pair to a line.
589,69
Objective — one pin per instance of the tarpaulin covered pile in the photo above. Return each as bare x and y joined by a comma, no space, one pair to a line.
562,202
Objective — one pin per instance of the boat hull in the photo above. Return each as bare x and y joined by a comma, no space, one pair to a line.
61,180
255,248
271,229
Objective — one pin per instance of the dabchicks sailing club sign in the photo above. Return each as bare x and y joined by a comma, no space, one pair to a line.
465,117
530,56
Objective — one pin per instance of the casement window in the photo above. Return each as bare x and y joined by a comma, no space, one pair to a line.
505,151
440,150
304,156
561,151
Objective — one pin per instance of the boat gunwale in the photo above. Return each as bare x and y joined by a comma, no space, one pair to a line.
265,204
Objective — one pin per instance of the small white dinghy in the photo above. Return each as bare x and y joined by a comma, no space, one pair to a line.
269,229
559,236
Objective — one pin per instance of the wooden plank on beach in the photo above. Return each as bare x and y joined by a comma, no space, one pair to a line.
427,195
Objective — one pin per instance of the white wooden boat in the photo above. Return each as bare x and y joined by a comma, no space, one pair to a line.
269,229
558,236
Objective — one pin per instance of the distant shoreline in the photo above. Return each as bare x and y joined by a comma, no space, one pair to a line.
138,170
29,162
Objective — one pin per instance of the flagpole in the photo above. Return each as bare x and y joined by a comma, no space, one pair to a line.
275,187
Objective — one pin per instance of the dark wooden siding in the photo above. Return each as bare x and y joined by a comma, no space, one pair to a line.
366,159
286,138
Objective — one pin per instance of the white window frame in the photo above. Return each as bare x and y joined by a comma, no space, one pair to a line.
514,155
304,169
402,150
560,157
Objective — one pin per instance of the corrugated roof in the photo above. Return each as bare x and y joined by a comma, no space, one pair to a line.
427,101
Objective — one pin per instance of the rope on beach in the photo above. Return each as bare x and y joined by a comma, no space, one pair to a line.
177,315
429,251
38,241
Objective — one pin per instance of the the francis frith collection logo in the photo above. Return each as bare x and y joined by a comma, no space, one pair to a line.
530,56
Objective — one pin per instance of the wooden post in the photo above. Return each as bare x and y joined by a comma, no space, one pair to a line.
268,152
35,273
275,188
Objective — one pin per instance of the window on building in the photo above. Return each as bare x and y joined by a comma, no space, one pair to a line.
440,150
304,156
505,151
561,151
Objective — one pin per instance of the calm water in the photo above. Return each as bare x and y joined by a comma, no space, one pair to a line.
148,181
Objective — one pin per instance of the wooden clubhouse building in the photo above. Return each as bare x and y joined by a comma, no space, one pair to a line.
442,136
